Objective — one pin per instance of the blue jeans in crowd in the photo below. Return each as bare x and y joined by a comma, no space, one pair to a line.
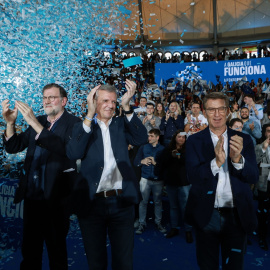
178,199
146,186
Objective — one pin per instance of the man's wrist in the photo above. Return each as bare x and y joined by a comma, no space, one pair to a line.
126,107
90,115
238,159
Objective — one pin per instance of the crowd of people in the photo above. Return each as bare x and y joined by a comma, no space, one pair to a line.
174,120
202,150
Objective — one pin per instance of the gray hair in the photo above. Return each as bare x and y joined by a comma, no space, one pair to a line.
108,88
216,95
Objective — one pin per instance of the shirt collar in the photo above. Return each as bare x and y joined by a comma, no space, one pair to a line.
224,134
101,123
52,122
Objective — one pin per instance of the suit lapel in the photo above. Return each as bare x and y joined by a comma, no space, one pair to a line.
208,146
61,123
113,134
97,134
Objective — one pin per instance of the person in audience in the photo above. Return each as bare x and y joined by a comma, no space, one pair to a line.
150,180
234,111
195,121
150,121
177,186
160,110
263,186
141,110
255,110
250,126
266,115
171,122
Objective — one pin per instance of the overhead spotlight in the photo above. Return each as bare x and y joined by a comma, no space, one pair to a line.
192,3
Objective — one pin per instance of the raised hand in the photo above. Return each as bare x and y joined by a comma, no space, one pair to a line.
251,126
168,114
131,88
236,147
220,153
266,143
92,102
9,115
29,116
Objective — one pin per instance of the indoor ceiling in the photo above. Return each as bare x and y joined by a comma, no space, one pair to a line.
187,22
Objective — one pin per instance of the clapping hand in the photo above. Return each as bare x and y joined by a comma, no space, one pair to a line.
9,115
220,153
131,88
92,102
236,147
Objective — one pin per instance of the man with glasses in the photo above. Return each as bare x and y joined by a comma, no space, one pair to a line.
46,178
150,121
221,166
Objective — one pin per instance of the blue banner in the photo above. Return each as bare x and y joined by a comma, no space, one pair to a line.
214,71
11,218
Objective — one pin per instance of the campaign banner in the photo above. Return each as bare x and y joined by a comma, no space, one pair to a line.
214,71
11,218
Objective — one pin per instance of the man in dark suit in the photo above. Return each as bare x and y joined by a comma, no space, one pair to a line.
45,180
221,164
112,187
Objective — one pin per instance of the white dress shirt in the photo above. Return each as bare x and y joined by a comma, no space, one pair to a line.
224,197
111,177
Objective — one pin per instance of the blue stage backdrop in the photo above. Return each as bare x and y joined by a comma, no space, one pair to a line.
214,71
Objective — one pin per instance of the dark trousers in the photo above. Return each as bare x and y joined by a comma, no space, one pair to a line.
263,212
44,223
224,230
109,216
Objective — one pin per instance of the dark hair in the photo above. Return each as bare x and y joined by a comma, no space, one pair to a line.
250,96
234,120
154,131
62,91
143,97
216,95
172,144
244,108
163,110
197,103
263,132
150,104
232,103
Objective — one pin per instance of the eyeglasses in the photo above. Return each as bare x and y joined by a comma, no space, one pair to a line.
213,110
50,98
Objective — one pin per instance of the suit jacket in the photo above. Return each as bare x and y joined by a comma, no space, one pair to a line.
90,149
200,205
262,157
56,181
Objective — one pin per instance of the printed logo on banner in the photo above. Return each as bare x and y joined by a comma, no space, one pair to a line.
7,193
215,71
10,218
235,70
